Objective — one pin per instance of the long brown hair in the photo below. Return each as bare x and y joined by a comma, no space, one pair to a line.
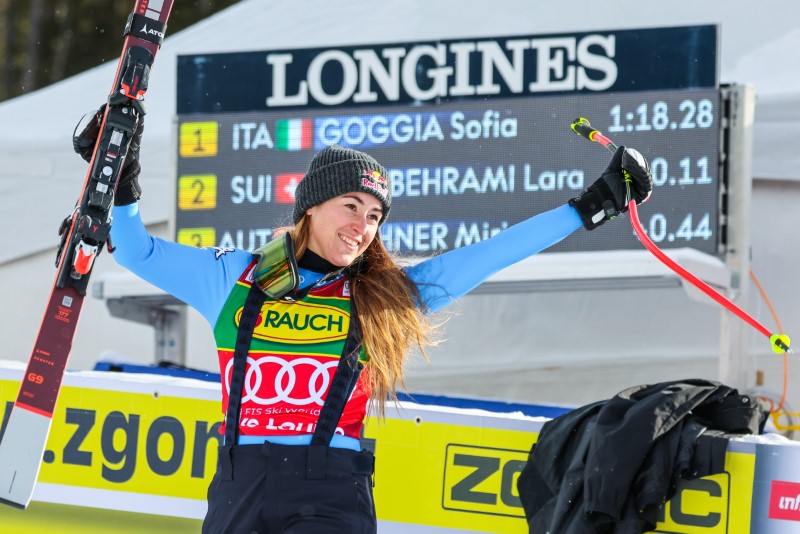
392,322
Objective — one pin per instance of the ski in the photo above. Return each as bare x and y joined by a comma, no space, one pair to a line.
84,234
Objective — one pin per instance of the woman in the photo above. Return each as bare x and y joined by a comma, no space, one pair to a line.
290,361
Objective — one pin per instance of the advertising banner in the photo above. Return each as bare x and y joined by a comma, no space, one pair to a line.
136,452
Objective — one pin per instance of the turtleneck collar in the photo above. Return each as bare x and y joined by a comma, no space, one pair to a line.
314,262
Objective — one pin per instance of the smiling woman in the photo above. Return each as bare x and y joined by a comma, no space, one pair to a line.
342,228
298,320
345,195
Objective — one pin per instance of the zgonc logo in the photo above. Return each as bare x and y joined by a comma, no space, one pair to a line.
784,501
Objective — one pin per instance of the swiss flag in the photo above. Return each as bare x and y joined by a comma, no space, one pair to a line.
285,184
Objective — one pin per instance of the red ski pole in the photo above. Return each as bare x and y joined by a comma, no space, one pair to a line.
779,342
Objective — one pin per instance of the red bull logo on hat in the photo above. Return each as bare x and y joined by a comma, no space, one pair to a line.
375,180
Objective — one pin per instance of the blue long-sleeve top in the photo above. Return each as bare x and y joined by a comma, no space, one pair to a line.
203,278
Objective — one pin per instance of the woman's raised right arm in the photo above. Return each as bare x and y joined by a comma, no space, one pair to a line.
200,277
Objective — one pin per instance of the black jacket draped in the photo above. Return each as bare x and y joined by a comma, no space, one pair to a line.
606,467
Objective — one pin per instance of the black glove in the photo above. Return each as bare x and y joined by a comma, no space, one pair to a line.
607,197
83,141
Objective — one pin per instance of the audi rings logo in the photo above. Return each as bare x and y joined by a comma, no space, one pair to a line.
300,323
271,380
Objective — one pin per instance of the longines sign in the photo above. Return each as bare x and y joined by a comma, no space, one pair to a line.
599,61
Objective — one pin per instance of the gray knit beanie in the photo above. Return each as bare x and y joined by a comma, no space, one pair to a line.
337,170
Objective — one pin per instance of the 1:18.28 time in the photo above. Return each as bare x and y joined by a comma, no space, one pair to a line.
645,118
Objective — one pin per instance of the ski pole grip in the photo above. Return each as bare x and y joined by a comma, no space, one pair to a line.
582,127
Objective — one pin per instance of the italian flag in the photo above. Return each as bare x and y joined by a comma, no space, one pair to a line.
294,134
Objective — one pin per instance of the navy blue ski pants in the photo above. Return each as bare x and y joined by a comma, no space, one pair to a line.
291,489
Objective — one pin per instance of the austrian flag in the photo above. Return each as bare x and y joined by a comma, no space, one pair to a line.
294,134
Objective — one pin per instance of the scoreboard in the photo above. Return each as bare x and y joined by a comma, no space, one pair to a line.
473,133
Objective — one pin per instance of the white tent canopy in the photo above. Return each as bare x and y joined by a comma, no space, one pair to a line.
774,70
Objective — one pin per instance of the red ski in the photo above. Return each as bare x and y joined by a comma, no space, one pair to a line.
84,234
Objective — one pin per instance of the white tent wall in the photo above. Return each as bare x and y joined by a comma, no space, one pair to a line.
564,346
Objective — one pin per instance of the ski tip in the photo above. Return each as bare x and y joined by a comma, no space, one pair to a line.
14,504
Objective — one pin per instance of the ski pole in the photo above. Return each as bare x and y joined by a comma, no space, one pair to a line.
778,342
